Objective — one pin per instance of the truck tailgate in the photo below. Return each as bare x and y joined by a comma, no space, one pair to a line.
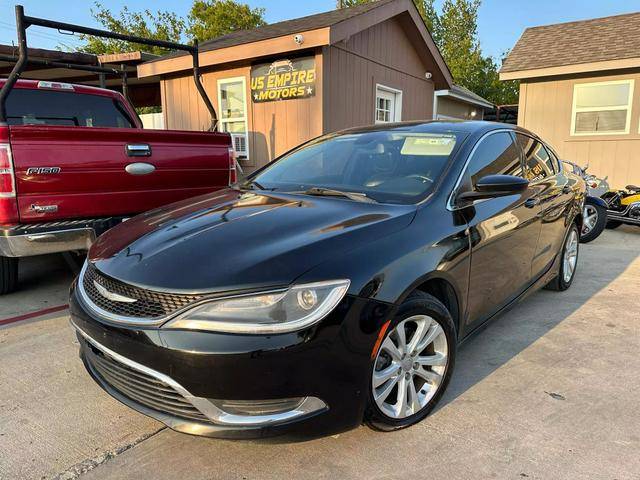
84,172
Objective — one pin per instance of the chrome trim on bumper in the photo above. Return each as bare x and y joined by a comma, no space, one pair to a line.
108,316
222,420
29,244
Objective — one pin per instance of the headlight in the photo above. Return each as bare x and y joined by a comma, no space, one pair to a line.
271,312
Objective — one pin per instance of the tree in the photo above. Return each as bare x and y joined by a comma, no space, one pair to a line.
455,32
212,18
160,25
207,19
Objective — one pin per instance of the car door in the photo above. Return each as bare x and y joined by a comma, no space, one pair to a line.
81,155
554,193
503,230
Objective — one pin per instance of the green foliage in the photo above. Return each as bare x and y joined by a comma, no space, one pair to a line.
145,110
455,32
159,25
207,19
212,18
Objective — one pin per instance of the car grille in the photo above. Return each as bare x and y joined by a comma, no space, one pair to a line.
148,304
140,387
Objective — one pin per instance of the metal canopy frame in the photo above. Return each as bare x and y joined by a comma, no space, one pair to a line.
23,22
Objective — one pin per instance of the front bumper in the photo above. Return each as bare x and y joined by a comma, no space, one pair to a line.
328,365
27,240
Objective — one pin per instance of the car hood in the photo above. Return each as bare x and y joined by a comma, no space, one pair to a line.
233,240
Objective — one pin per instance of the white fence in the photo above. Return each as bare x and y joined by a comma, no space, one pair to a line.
154,121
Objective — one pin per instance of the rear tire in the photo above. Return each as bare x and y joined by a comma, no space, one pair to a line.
8,275
439,325
570,250
597,216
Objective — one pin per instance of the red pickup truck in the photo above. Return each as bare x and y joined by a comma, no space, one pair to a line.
75,161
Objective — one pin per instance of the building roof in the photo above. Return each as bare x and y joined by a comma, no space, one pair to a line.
585,42
464,94
290,27
144,92
318,30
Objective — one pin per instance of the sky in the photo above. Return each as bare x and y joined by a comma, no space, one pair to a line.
500,22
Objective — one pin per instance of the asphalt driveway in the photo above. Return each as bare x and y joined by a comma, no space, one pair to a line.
549,390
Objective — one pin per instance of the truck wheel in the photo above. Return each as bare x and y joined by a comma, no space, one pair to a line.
8,275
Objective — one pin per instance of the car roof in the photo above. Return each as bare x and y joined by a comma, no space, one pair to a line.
478,127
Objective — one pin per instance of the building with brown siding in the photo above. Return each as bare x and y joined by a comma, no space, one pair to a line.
279,85
580,90
459,103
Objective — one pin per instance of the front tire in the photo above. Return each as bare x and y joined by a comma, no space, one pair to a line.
568,261
593,223
8,275
413,365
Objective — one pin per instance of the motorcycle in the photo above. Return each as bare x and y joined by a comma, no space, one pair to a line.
623,206
594,215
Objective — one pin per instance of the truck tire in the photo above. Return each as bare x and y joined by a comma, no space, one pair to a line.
8,275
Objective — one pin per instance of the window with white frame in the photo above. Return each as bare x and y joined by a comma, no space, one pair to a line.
602,108
233,113
388,107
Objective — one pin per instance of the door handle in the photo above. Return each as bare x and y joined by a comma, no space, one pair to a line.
531,202
138,150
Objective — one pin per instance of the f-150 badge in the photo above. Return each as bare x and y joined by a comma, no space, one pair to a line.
43,170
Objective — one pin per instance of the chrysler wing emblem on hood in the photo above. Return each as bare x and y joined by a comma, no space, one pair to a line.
114,297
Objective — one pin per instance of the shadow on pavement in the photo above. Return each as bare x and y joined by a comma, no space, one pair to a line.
600,263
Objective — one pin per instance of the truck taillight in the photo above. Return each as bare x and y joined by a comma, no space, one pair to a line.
7,183
8,207
233,172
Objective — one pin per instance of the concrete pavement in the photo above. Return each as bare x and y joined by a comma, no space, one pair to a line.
549,390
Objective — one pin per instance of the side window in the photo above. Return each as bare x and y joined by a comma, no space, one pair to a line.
497,154
539,164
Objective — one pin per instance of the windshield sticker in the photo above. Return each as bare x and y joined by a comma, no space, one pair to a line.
428,146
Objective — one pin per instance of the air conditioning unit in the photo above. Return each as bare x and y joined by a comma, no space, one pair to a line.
240,144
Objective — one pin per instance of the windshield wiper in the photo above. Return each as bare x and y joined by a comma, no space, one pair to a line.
253,185
328,192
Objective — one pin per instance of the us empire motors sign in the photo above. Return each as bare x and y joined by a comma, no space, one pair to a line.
283,80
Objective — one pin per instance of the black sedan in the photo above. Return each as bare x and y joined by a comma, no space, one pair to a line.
333,286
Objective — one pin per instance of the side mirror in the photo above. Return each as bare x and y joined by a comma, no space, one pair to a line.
493,186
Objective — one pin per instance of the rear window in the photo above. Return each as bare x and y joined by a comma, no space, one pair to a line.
69,109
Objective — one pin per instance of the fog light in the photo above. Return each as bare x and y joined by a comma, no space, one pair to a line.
259,407
307,299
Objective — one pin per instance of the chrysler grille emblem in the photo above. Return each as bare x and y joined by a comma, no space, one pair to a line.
114,297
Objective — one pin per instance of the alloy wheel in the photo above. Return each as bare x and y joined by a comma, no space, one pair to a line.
570,256
590,219
410,366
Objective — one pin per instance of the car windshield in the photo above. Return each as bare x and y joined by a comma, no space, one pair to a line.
394,166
